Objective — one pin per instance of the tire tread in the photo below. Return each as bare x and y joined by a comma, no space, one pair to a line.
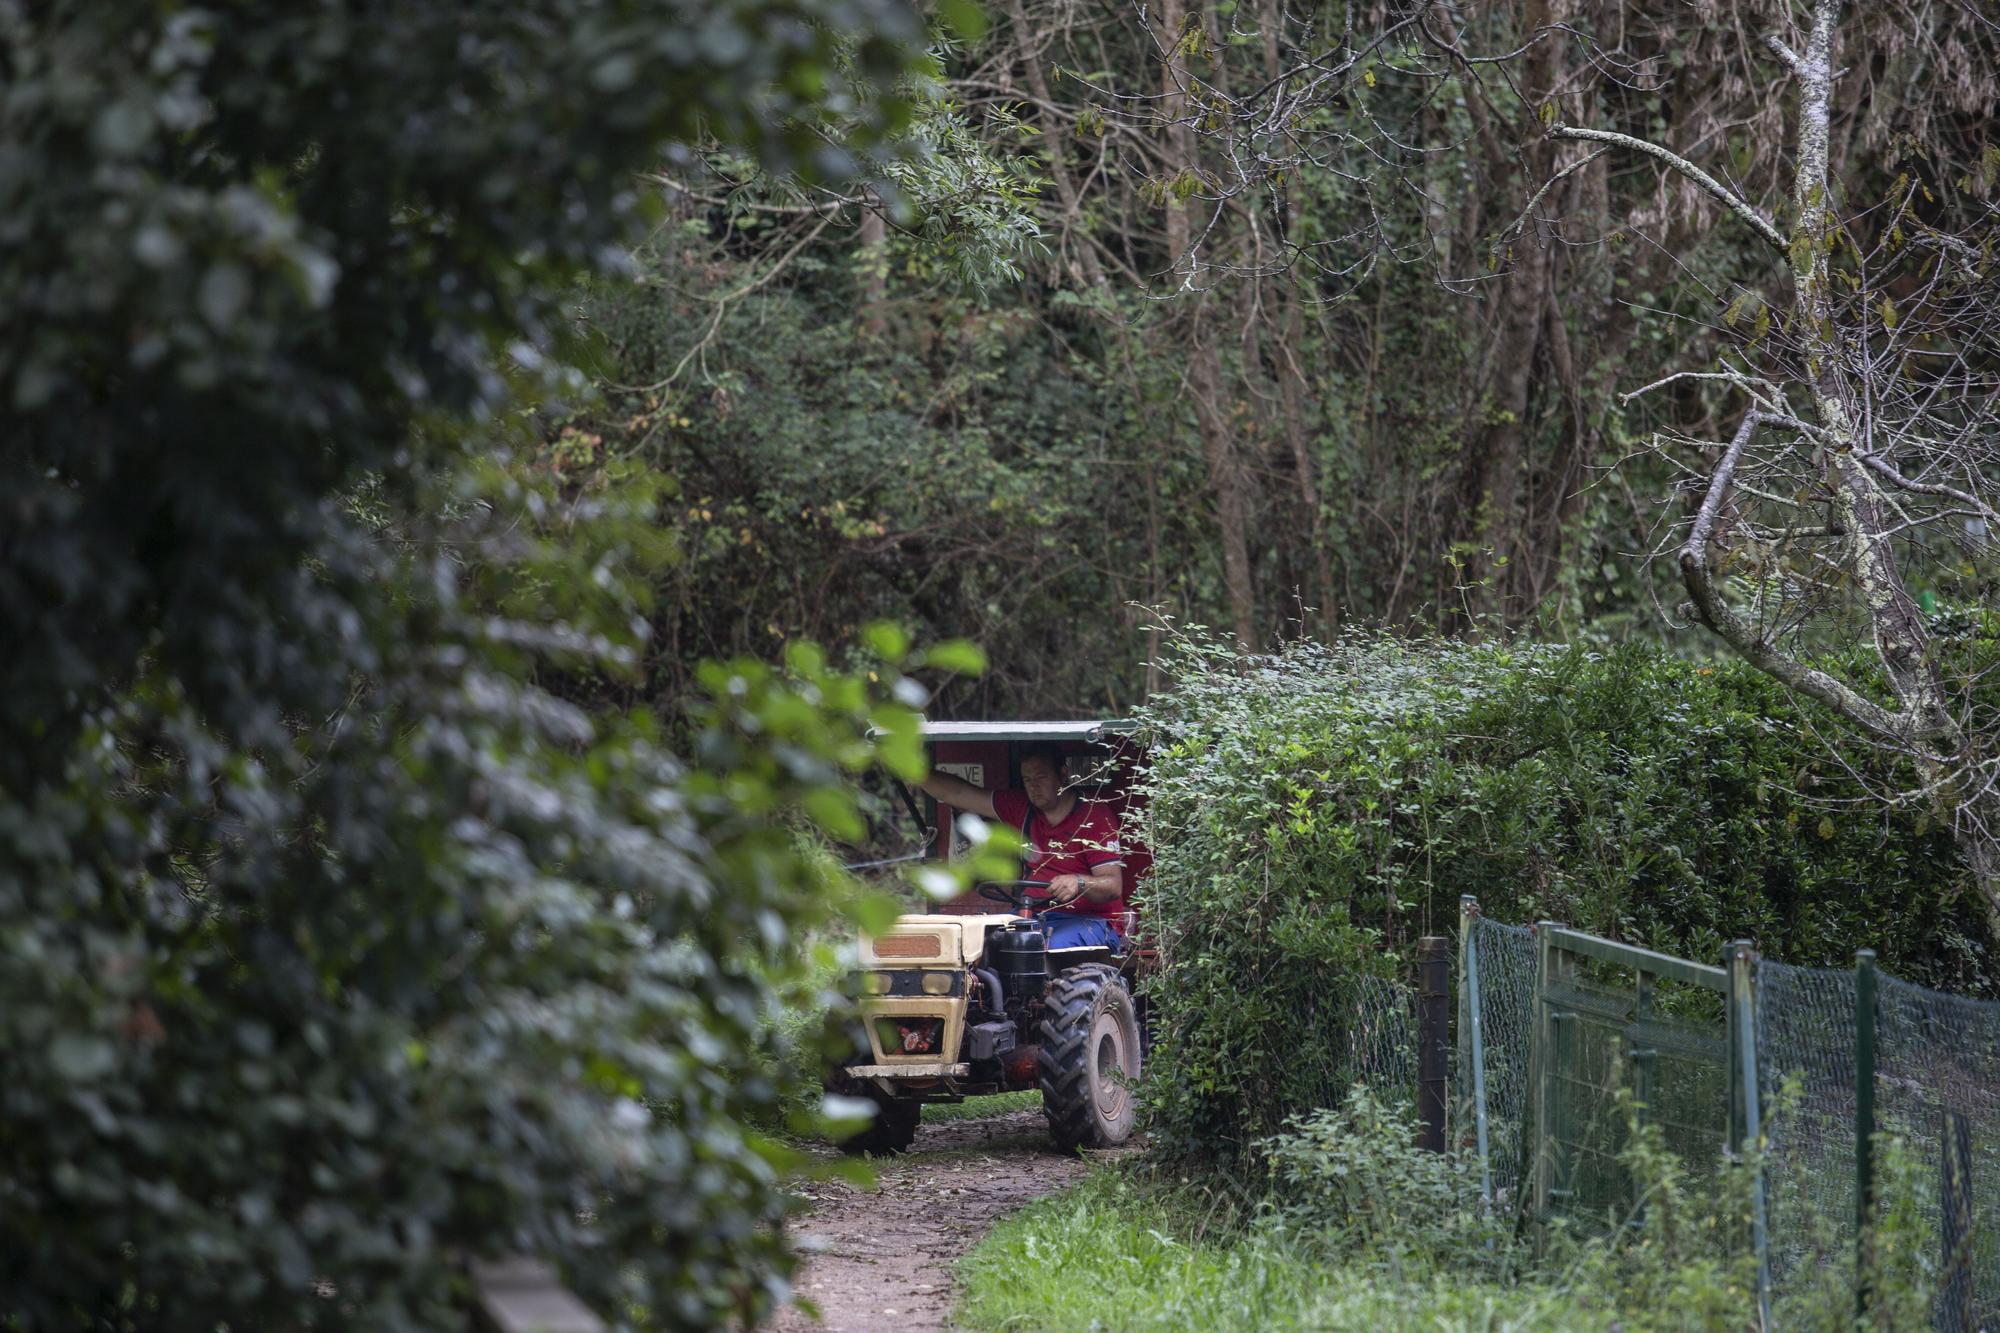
1062,1063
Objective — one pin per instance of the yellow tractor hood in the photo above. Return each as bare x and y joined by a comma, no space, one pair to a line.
941,940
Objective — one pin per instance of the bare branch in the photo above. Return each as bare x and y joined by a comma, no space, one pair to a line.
1756,648
833,203
1882,466
1740,380
722,304
1734,203
1784,53
1548,185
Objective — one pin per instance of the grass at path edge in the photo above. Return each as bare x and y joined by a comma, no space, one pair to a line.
1113,1253
982,1108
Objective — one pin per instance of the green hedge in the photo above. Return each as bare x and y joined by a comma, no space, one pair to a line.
1316,812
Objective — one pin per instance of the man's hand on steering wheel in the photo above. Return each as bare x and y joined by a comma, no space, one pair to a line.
1014,892
1061,892
1066,889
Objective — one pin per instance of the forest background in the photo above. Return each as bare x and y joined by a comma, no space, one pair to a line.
1378,375
394,556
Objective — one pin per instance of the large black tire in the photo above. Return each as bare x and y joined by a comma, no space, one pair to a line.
892,1130
1089,1060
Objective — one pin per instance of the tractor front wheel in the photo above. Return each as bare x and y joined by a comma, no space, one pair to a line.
1089,1058
892,1130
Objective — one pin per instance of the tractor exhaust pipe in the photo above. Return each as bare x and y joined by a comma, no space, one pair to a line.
996,994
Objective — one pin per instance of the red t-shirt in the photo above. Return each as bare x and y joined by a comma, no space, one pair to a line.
1085,841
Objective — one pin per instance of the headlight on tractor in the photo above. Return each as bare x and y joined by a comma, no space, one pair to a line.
909,982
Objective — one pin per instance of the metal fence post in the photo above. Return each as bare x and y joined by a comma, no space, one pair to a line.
1955,1196
1541,1065
1864,1121
1746,1128
1642,1057
1473,1032
1433,1035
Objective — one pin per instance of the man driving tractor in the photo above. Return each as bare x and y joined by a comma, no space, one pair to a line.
1068,841
960,1000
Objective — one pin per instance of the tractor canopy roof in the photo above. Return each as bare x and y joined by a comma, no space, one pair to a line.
1085,730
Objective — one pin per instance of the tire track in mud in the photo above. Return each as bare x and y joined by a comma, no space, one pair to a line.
882,1258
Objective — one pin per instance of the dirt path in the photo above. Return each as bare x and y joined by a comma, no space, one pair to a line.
882,1259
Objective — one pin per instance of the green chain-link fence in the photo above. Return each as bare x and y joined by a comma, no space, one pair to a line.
1382,1043
1937,1086
1806,1059
1496,995
1619,1025
1374,1042
1553,1024
1556,1034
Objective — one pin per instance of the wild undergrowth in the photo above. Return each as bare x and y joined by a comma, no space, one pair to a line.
1349,1226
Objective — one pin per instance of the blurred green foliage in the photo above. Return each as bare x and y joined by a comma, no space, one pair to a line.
1314,812
335,948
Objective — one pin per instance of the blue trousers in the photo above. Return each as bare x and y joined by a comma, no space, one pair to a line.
1070,931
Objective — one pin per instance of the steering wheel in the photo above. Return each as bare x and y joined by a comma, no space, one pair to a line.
1013,892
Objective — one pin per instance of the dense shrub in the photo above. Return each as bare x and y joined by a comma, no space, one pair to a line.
1316,811
1354,1174
334,949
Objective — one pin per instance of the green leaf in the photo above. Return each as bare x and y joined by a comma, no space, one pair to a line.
957,655
887,640
235,885
965,17
805,658
81,1057
899,742
875,913
833,810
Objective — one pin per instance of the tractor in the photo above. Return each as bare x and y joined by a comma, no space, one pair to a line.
968,999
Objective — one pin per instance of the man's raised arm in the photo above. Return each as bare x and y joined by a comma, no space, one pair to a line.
958,793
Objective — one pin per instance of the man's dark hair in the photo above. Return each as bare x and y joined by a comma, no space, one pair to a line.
1043,750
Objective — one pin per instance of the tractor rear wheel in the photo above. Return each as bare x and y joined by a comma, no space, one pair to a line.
1089,1058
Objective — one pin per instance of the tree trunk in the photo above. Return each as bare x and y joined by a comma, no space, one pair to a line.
1226,479
1292,397
1225,473
1922,724
1078,247
1490,458
1287,368
874,272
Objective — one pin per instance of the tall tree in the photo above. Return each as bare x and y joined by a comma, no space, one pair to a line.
1866,450
1390,157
